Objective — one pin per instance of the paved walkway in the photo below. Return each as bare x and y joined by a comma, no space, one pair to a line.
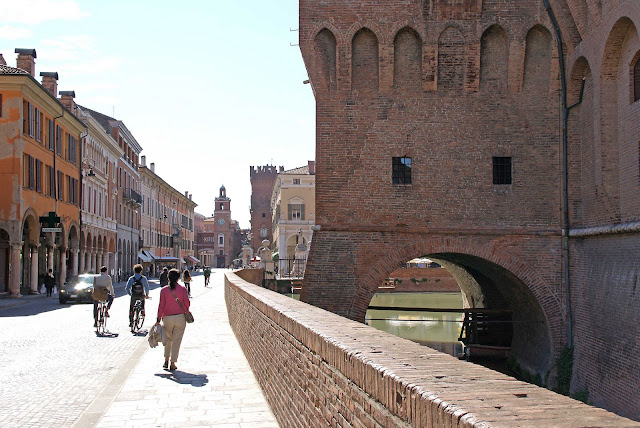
213,386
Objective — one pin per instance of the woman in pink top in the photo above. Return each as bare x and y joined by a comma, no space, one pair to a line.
172,316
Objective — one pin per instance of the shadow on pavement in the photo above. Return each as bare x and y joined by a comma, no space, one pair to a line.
37,304
185,378
107,334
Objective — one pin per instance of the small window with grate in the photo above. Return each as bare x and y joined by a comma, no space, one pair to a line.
502,170
401,170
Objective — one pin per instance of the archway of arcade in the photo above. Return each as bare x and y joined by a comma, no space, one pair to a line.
494,276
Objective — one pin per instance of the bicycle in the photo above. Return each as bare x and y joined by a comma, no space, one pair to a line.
101,317
138,316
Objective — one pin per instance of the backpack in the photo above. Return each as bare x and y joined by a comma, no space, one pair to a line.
137,289
164,278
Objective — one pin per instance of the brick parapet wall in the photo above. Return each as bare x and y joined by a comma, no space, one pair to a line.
318,369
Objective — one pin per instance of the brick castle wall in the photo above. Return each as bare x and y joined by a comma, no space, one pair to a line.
317,369
452,85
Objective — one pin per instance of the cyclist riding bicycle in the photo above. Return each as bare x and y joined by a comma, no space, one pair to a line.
138,288
102,290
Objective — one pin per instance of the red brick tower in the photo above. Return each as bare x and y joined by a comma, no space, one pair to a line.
440,133
262,180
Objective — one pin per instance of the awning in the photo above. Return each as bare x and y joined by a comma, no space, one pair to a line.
149,254
145,258
167,259
191,259
182,261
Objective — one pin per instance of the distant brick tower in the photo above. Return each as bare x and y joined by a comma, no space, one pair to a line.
262,180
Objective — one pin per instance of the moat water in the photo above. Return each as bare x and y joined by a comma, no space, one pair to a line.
437,330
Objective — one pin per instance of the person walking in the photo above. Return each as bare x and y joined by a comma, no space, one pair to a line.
171,313
164,278
186,278
49,282
207,275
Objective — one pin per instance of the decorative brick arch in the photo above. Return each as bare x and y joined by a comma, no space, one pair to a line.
407,59
326,58
498,264
536,74
365,60
394,29
452,59
494,59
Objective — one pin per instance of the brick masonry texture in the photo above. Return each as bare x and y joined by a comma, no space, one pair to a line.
452,84
318,370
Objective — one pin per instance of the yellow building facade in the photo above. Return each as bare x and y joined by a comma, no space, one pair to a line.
293,204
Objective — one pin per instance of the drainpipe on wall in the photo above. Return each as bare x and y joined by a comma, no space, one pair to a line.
565,171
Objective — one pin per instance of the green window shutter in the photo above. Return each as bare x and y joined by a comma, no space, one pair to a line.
301,211
290,211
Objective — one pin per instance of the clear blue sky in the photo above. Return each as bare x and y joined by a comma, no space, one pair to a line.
207,87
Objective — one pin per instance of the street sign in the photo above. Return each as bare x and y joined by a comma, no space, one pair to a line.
52,229
51,219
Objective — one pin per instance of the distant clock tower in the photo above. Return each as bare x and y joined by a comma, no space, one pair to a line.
223,232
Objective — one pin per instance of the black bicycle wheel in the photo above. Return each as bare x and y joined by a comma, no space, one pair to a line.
139,319
102,318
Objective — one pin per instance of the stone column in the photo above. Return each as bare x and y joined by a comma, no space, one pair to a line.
63,266
74,262
81,262
34,270
14,270
50,252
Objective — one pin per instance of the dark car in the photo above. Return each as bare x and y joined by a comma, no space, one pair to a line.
78,288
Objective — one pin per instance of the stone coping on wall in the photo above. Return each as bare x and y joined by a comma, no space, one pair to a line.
377,379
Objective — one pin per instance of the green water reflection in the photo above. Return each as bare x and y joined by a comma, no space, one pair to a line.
438,330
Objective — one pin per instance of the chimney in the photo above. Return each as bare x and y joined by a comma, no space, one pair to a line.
2,61
153,167
50,82
312,167
186,193
143,160
66,98
26,60
190,196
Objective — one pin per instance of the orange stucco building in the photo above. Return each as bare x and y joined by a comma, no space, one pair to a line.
39,175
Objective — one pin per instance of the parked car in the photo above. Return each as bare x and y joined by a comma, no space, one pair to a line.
78,288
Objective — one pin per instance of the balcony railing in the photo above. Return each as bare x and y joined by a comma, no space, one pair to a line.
291,268
132,196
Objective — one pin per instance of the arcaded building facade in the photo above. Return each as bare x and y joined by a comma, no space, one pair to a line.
499,139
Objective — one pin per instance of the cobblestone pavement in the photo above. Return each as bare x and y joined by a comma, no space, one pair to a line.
59,373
